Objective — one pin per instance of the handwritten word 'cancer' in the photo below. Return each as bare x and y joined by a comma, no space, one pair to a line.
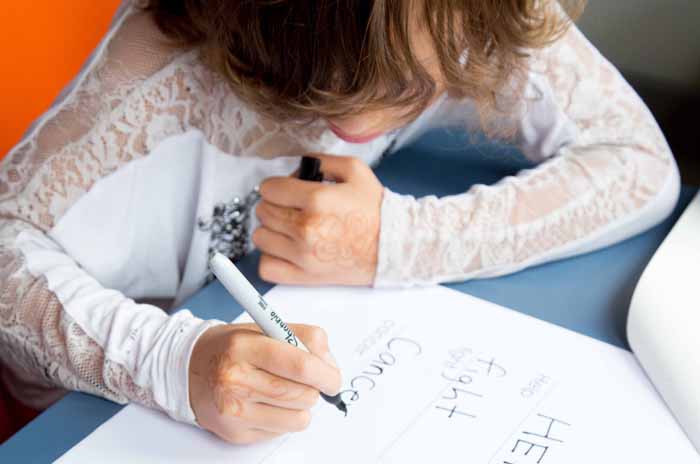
394,351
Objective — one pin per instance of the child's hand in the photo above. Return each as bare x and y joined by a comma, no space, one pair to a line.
246,387
321,233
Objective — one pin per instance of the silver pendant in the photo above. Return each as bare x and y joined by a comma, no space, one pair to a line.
229,227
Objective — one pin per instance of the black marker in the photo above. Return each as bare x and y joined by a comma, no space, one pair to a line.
310,170
267,318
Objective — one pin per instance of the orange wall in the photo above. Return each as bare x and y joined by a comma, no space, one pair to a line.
43,44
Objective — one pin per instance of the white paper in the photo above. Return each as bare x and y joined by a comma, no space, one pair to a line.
664,321
489,385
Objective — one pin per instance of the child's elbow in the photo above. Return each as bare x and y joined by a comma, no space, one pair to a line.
664,200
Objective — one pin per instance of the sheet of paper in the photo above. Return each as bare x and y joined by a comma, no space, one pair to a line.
664,320
433,375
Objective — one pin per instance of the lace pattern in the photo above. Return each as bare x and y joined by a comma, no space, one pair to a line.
46,340
108,120
618,164
135,93
138,91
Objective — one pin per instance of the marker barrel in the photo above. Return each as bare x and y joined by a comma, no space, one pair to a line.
262,313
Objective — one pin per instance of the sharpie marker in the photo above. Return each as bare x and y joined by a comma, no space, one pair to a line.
266,317
310,169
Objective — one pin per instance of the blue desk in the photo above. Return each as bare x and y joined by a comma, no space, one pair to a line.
589,294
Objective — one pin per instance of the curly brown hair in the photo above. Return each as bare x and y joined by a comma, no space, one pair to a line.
298,60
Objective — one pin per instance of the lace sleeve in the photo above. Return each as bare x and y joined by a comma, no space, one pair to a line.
613,176
59,327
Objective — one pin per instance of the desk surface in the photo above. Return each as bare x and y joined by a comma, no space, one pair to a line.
589,294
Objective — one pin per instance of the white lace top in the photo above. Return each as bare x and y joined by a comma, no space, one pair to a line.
99,204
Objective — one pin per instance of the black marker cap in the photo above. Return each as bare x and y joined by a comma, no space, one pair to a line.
310,169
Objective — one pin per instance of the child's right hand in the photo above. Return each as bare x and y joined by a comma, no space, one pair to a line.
246,387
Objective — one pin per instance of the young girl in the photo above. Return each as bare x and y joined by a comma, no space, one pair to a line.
151,158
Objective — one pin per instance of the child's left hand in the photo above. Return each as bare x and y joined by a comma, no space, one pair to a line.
316,233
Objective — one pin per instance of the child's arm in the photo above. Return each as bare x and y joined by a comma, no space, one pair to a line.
60,328
607,173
